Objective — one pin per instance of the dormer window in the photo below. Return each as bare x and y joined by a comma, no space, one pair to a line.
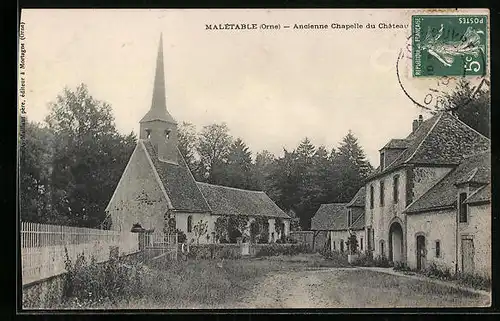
349,217
148,133
382,165
167,134
462,208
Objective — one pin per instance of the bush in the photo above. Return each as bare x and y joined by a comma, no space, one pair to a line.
334,255
400,266
181,236
367,259
282,249
88,283
475,281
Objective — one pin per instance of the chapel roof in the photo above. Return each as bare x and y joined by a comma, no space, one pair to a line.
225,200
179,183
474,169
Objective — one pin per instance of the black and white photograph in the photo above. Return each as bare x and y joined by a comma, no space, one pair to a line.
184,159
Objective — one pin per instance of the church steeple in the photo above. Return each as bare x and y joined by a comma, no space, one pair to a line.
158,110
158,126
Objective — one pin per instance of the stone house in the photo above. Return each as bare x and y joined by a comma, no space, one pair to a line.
157,185
452,221
333,223
409,170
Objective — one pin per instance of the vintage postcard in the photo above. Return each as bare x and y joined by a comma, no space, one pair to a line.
242,159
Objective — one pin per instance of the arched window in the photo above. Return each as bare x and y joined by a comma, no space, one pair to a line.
167,134
341,245
148,133
189,224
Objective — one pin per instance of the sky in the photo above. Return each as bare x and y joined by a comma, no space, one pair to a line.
272,87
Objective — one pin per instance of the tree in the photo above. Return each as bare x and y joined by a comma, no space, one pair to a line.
221,229
213,147
352,166
472,109
187,144
35,170
200,229
239,164
261,169
89,157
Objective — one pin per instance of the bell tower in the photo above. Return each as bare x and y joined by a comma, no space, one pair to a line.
158,126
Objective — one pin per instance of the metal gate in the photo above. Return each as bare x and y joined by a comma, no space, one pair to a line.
162,244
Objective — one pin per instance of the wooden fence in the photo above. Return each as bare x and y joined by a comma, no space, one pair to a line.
43,247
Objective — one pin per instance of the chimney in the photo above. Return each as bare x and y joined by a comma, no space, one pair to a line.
417,122
414,125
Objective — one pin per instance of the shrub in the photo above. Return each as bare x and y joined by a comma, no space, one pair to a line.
334,255
282,249
181,236
88,283
475,281
400,266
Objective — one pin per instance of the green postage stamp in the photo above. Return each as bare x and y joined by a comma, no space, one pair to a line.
449,45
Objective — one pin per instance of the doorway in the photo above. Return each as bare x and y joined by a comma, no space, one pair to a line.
421,252
467,255
395,243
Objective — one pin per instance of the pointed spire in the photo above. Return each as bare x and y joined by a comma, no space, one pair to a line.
158,109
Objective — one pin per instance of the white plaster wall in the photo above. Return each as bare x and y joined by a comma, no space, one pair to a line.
181,223
438,225
336,236
272,231
479,227
380,216
138,181
287,227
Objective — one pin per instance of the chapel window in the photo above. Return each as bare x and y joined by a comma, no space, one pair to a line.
190,224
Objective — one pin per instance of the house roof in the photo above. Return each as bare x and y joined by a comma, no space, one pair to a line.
444,193
179,184
330,217
225,200
482,195
359,199
359,223
440,140
397,143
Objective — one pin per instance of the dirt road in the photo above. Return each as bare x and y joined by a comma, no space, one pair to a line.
352,288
